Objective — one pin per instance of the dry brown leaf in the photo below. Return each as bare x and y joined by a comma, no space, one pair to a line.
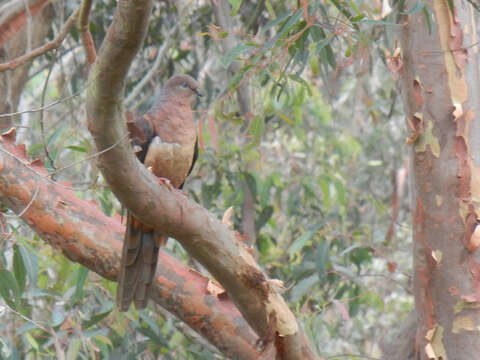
227,217
214,288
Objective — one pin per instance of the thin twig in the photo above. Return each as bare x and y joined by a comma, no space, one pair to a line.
46,107
29,320
47,177
42,127
88,157
34,196
10,65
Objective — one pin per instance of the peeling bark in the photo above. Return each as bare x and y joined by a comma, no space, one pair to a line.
441,89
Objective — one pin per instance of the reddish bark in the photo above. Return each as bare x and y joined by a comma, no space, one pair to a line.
17,20
441,92
85,235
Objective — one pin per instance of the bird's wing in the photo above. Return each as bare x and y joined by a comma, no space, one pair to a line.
194,160
141,133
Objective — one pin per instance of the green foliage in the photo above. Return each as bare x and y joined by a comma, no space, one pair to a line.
317,154
9,289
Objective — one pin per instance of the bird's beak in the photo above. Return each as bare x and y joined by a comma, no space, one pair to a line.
198,92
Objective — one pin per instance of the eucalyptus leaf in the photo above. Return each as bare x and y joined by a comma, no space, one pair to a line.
9,289
30,262
303,287
233,54
302,240
321,259
19,268
81,277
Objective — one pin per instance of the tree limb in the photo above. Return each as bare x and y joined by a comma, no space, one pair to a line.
84,30
203,236
85,235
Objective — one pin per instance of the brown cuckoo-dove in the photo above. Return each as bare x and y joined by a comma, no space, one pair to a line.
165,141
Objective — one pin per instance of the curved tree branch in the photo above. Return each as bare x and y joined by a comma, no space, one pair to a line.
85,235
83,28
203,236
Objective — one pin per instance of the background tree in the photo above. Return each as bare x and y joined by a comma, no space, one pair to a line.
440,85
310,149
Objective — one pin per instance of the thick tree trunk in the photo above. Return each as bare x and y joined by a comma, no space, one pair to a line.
440,84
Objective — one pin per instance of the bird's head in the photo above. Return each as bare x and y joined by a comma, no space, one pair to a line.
183,87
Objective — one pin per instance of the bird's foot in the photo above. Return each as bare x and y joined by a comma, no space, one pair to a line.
165,181
162,180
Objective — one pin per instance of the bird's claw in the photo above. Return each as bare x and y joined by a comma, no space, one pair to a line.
165,181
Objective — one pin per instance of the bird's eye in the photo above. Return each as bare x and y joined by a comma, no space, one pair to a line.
185,85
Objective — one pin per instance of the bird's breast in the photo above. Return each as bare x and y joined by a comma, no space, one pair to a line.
171,160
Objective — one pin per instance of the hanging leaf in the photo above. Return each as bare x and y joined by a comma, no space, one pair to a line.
263,217
277,21
255,130
30,262
251,183
80,281
233,54
9,289
77,148
301,241
321,260
95,319
235,4
19,269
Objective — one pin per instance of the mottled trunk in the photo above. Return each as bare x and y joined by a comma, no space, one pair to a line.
440,84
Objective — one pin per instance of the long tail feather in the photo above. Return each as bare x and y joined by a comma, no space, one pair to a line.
138,265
